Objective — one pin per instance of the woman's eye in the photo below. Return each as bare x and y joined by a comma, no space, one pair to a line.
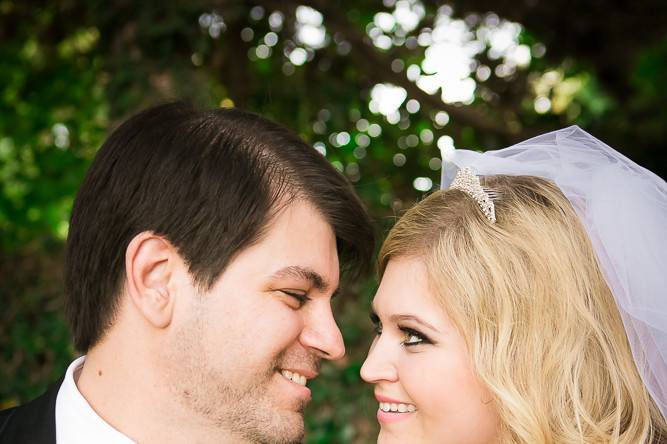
377,325
413,337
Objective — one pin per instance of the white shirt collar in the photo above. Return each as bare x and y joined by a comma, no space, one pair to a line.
76,421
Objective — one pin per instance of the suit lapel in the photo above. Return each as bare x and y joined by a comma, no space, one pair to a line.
34,422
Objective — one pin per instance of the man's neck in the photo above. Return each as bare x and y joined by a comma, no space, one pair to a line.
125,390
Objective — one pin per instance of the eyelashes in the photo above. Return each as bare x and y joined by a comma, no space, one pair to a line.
412,336
377,325
300,298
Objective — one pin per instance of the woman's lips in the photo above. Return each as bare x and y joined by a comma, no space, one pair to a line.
392,410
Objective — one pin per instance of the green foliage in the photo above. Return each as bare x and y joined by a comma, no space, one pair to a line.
54,115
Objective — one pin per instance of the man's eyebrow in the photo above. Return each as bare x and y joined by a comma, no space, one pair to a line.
295,271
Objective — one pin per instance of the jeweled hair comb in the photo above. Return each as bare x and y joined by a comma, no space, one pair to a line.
469,183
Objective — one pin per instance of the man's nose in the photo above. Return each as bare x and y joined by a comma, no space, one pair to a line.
323,335
378,365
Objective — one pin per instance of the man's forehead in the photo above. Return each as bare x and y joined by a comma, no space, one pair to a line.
301,237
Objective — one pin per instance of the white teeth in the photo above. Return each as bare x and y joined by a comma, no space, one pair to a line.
397,408
294,377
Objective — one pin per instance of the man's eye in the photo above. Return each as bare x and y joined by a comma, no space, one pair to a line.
301,299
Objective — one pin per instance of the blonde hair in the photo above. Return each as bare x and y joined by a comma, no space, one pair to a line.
538,318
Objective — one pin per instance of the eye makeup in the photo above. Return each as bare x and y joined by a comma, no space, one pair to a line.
413,337
377,325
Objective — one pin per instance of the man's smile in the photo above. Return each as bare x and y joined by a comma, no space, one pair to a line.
294,377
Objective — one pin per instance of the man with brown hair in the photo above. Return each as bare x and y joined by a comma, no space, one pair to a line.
202,257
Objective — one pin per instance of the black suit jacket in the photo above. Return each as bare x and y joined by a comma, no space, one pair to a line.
33,423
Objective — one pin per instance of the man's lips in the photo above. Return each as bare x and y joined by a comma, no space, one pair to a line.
296,376
309,374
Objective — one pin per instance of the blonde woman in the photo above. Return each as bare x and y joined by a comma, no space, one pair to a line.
526,302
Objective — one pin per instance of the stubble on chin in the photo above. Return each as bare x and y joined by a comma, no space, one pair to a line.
226,403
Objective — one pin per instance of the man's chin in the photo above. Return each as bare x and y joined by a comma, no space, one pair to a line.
282,411
285,427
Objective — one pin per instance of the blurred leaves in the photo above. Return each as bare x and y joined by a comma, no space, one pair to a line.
54,115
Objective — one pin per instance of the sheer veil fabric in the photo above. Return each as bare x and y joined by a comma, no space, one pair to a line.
623,208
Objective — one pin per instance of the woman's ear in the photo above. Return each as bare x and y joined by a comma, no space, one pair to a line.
149,262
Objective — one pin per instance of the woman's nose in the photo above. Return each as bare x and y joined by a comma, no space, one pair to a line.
379,364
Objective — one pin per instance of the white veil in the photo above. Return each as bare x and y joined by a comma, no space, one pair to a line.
624,210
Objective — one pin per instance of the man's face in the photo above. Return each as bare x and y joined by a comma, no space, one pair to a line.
232,349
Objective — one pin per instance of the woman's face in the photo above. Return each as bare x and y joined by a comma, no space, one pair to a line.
424,382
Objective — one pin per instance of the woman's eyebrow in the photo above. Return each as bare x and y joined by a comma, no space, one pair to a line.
396,318
414,318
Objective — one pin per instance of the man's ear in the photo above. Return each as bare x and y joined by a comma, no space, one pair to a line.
149,263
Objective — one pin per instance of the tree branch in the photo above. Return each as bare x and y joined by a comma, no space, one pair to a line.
378,65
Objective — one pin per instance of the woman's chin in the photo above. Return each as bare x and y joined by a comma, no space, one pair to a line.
387,436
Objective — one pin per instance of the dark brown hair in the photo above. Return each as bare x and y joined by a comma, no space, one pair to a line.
210,182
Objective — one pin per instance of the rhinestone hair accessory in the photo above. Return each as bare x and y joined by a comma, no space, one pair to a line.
468,182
